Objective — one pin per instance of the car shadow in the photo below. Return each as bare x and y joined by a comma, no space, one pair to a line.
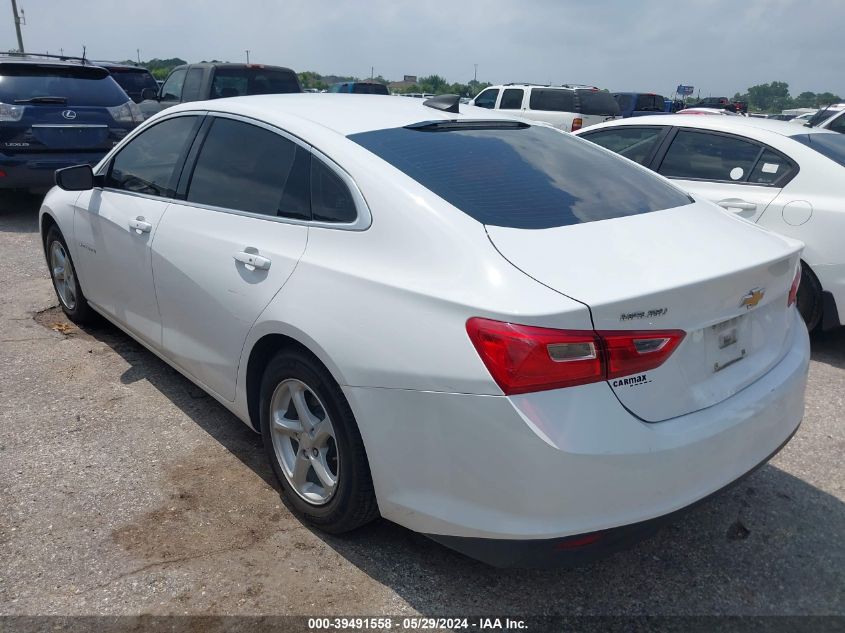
19,211
829,347
770,544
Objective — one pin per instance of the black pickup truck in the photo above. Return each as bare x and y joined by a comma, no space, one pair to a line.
198,82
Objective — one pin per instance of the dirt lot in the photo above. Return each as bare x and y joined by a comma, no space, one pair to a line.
125,490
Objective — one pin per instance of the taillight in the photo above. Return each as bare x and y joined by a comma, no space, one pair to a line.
576,124
637,351
793,289
523,358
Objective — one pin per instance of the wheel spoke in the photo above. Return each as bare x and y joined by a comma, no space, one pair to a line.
321,469
300,470
308,419
322,432
283,425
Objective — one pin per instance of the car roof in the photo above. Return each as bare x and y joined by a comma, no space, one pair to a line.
119,66
342,113
233,65
718,123
47,61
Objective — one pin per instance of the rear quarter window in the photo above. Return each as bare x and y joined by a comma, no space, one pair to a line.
597,102
552,100
521,176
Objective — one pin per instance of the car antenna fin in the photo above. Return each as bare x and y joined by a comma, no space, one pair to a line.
445,103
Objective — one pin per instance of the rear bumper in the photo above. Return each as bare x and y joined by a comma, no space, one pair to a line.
567,462
574,550
36,171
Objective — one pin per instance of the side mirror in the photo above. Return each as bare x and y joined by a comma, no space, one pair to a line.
77,178
149,94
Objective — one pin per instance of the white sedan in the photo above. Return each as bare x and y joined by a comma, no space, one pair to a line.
487,331
786,178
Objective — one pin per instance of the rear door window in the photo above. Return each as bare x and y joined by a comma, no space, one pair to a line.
838,124
268,174
69,85
522,176
697,155
487,99
512,99
151,162
634,143
552,100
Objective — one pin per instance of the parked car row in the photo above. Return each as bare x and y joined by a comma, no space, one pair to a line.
786,179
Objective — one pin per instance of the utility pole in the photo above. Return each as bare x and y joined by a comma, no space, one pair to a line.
17,25
475,75
372,71
138,53
247,56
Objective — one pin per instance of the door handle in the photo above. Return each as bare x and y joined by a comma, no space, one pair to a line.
140,225
736,203
252,259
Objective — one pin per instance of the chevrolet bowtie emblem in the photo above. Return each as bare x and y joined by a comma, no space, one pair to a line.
753,297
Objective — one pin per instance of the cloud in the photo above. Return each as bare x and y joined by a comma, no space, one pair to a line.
720,46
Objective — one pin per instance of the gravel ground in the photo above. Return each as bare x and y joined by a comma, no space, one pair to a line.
125,490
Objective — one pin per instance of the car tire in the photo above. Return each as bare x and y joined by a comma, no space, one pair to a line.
810,302
292,449
65,280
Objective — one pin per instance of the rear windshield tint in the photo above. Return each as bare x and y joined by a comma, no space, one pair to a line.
133,79
80,85
238,82
830,145
597,102
529,177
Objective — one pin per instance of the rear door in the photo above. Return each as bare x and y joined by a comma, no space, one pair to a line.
116,225
737,173
224,251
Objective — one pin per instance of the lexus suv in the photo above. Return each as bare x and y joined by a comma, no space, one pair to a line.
57,112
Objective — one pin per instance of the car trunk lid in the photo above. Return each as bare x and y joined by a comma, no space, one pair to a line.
694,268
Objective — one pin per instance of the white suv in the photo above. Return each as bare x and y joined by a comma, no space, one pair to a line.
566,107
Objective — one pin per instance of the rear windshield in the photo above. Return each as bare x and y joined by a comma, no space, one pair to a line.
597,102
80,85
650,103
521,176
831,145
238,82
135,80
369,89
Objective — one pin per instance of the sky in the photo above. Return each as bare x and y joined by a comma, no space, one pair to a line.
718,46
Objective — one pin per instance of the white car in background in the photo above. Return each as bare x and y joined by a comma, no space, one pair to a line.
780,176
829,118
490,332
568,107
802,119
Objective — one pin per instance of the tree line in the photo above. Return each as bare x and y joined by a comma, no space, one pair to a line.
775,97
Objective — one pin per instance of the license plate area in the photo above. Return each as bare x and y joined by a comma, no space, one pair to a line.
726,342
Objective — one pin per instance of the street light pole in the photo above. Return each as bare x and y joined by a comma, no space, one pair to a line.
17,25
138,53
475,75
247,56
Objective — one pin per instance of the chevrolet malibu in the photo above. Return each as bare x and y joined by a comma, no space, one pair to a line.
488,331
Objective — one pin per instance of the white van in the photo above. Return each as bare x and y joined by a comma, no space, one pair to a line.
567,107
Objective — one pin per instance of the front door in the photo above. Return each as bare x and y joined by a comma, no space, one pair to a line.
116,225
